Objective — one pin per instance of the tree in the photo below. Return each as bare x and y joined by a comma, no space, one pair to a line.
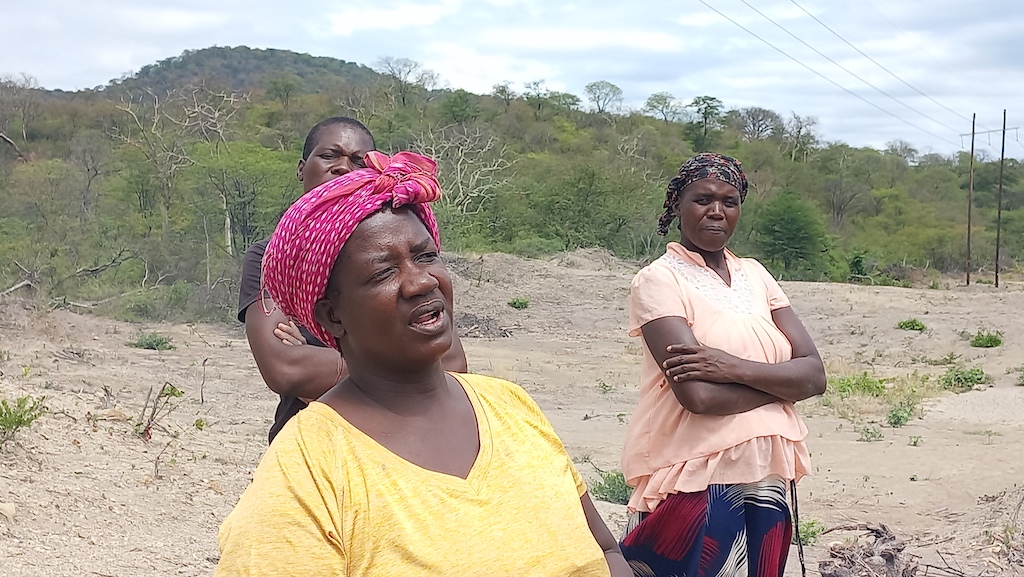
459,107
798,137
756,123
403,74
503,92
604,96
791,234
664,106
282,88
163,128
709,118
472,165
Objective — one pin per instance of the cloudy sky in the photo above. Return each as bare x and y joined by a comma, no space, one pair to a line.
942,59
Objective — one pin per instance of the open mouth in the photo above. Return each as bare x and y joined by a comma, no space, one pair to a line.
429,317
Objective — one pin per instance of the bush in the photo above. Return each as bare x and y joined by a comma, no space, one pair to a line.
911,325
151,341
612,488
18,416
809,531
900,414
987,339
959,379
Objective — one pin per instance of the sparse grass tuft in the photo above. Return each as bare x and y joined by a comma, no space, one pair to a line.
915,441
151,341
870,434
987,339
519,303
1020,376
611,487
852,385
911,325
19,415
856,396
959,379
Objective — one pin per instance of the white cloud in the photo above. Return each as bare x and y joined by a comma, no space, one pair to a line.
395,16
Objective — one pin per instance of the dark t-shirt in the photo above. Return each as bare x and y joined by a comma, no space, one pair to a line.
248,294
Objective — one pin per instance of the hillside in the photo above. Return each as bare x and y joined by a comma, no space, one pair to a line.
139,205
241,68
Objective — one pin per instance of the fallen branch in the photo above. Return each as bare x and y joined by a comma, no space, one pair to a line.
21,284
17,151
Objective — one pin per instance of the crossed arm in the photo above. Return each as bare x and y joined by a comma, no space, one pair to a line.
709,381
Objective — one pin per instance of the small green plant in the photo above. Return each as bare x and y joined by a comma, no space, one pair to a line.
915,441
809,531
4,356
1020,376
26,370
911,325
870,434
604,387
945,360
900,413
151,341
987,339
960,379
519,303
19,415
200,424
611,487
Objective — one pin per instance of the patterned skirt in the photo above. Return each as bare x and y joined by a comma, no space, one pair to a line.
723,531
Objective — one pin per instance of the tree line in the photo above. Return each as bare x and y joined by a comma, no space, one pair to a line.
139,197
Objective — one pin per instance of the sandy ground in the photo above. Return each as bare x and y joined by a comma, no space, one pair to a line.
81,494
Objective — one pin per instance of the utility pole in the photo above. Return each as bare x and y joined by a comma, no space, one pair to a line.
970,201
999,199
970,190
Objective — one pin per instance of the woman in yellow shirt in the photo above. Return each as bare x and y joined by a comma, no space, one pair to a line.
402,468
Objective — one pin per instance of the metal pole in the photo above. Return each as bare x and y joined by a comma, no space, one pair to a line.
999,200
970,201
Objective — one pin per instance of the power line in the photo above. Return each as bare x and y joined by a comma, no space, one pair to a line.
930,55
848,71
890,72
826,78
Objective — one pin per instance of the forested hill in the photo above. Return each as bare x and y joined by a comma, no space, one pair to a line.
242,68
139,197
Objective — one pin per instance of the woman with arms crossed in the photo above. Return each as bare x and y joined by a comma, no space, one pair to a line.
714,440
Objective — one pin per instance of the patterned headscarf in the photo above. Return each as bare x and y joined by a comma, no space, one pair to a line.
704,165
305,245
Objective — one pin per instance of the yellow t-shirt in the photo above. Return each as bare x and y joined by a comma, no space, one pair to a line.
328,500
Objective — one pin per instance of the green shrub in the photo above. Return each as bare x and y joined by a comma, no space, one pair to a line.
987,339
809,531
18,416
870,434
960,379
911,325
611,487
151,341
900,414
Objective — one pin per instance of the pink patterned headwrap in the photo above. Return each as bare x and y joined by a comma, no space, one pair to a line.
307,240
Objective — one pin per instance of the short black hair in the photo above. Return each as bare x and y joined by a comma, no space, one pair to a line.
307,147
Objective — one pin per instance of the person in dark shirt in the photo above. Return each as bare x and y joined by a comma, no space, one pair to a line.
292,361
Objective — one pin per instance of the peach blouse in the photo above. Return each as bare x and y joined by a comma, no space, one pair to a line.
669,449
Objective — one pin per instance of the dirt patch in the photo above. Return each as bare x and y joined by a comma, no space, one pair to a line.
82,494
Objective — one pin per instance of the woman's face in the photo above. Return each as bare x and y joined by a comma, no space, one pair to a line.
339,149
389,298
708,211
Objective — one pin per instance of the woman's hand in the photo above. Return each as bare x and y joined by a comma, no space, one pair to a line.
289,334
700,363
